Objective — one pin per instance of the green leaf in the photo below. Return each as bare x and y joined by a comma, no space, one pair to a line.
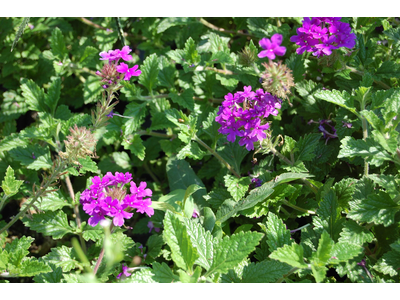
53,94
342,99
184,99
135,146
191,55
88,165
57,44
10,185
237,187
344,251
324,250
33,156
354,233
184,277
232,153
277,234
142,276
267,271
229,252
167,73
183,252
209,219
378,208
191,150
136,113
17,250
34,96
330,213
49,223
203,241
368,149
228,81
393,34
292,255
54,276
63,257
154,245
53,202
389,263
163,273
306,147
92,89
388,69
31,267
296,63
149,72
181,175
88,55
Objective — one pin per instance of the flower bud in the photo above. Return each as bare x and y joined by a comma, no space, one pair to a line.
277,79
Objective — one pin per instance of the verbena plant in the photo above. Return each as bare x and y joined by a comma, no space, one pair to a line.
199,150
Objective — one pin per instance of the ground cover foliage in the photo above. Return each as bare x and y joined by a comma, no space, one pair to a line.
269,153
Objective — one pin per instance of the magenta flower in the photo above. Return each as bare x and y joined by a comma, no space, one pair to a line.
124,271
272,47
107,197
123,68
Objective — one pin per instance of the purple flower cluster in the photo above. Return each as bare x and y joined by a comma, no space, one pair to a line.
107,196
242,114
322,35
110,71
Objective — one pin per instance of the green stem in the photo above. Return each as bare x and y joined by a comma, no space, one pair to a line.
284,201
3,201
37,195
213,27
213,152
101,255
157,134
365,131
361,73
287,275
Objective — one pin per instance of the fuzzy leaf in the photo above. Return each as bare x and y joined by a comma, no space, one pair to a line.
54,276
264,272
92,89
229,252
277,234
64,258
88,165
377,207
31,267
344,251
330,213
237,186
324,250
33,156
232,153
49,223
354,233
184,99
10,185
136,112
388,69
292,255
175,233
163,273
34,96
57,44
149,72
342,99
306,147
135,146
53,202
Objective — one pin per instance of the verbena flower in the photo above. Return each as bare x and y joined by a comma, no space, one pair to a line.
108,197
243,115
272,47
322,35
112,73
124,272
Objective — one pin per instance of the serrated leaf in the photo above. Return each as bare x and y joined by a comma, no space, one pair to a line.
277,234
388,69
344,251
10,185
175,234
167,73
136,113
324,250
141,276
267,271
57,44
34,96
368,149
149,75
33,156
185,99
342,99
31,267
88,54
17,250
92,89
378,208
232,153
163,273
292,255
87,164
229,252
54,276
296,63
50,223
135,146
203,241
306,147
64,258
154,245
191,150
330,212
53,202
389,263
354,233
53,94
237,187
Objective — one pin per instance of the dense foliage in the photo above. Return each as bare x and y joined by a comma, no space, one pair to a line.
199,150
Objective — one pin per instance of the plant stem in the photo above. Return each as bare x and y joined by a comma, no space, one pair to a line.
101,255
365,131
213,152
213,27
287,275
361,73
149,98
300,228
157,134
3,201
297,208
76,210
37,195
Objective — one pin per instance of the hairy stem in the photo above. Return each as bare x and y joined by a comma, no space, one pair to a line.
41,191
287,275
213,152
297,208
